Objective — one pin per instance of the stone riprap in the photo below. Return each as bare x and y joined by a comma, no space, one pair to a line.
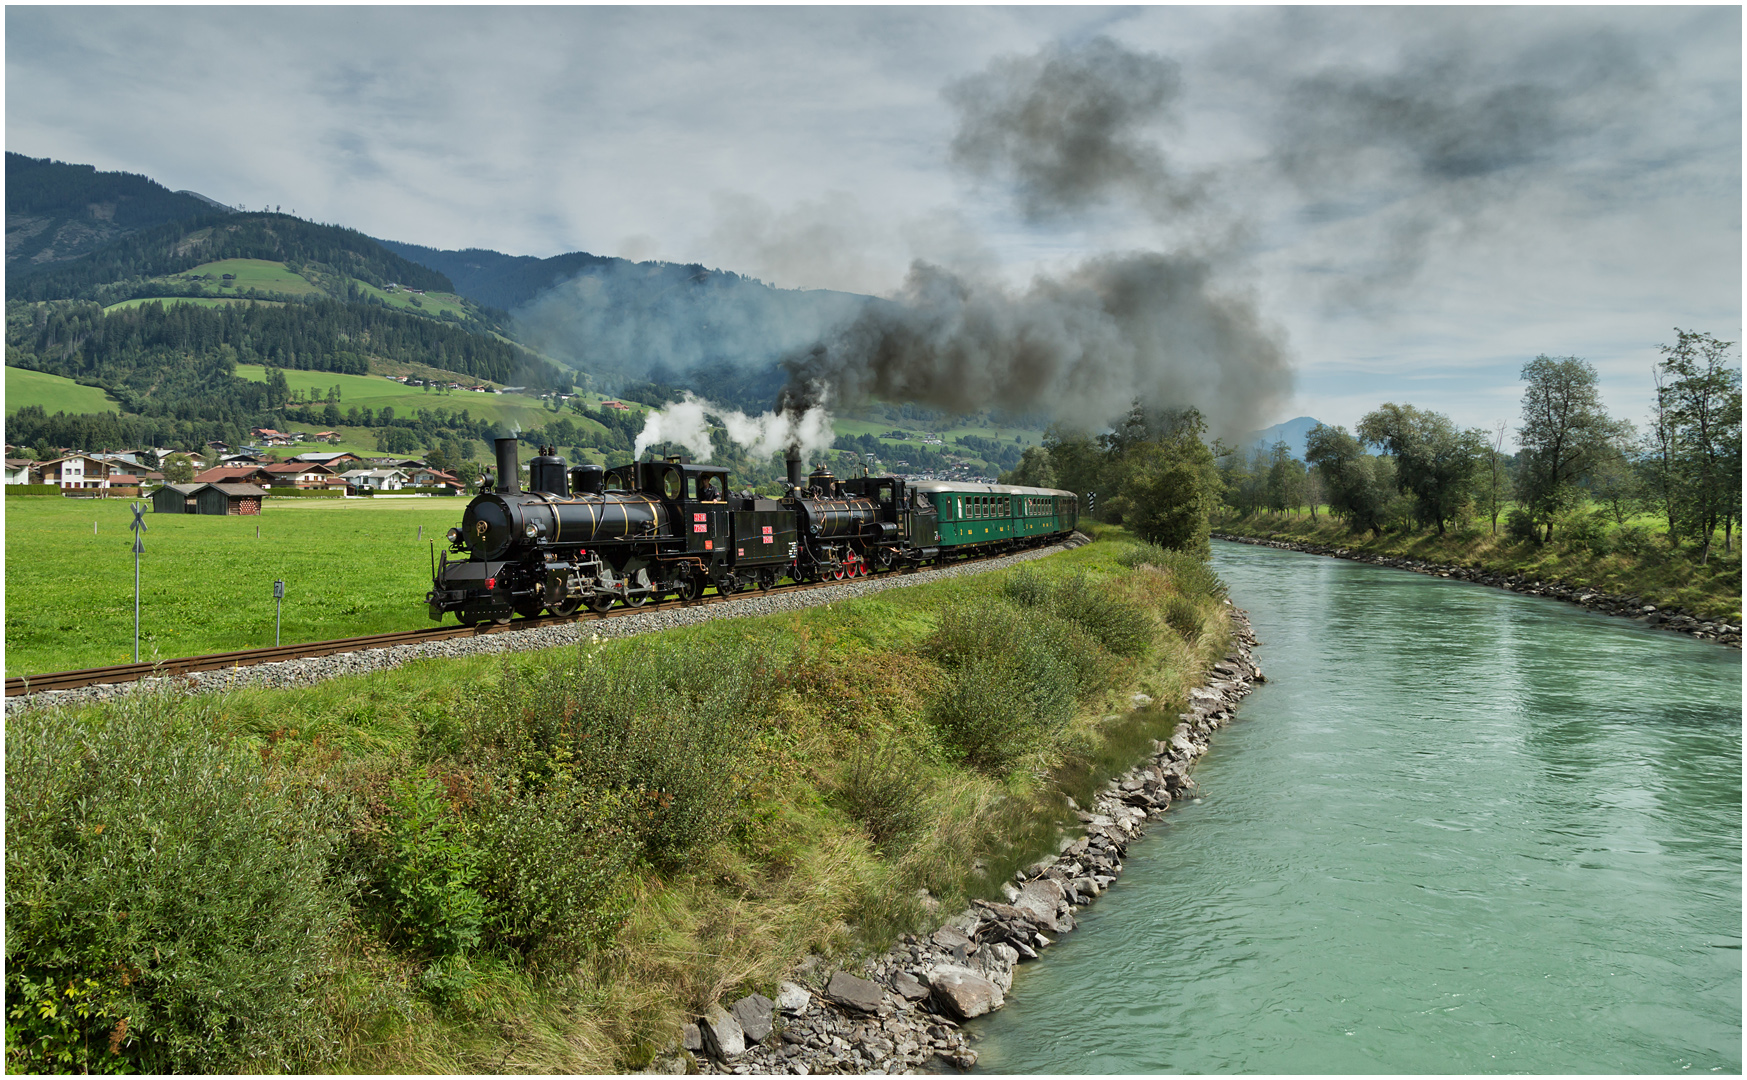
316,669
901,1014
1677,619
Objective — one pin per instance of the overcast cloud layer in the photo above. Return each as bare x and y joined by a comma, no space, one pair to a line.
1413,202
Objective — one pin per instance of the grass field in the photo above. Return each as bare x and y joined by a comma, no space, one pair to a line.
350,567
374,392
250,274
54,393
197,301
431,303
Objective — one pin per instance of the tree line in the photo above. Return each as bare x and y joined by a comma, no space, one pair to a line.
1576,466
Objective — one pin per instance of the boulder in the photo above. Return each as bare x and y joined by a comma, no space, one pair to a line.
753,1012
845,989
690,1039
950,937
1041,899
962,992
908,988
722,1037
792,997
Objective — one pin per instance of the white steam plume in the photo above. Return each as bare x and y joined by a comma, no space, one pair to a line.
685,422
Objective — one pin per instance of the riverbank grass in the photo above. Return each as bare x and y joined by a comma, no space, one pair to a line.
551,861
1635,560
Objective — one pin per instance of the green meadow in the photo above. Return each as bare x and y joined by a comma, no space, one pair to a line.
54,393
352,566
250,274
375,391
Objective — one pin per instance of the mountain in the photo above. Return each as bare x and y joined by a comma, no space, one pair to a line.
679,325
1292,432
56,211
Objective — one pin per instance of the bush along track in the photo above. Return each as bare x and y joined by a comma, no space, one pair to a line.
903,1011
1676,619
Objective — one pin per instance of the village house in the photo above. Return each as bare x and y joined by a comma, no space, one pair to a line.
375,479
75,471
436,478
235,474
301,474
20,471
332,459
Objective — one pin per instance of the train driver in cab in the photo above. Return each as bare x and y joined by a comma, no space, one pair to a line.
711,490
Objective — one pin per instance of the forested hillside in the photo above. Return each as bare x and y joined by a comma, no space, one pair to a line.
56,211
124,270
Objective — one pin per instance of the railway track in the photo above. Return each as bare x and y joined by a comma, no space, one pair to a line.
121,673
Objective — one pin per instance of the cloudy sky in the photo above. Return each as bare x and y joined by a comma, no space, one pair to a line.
1407,204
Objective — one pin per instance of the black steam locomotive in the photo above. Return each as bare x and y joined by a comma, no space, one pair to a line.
643,531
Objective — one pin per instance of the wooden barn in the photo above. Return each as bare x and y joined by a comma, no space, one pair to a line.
176,499
208,499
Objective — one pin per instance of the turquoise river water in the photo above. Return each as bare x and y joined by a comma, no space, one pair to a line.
1459,830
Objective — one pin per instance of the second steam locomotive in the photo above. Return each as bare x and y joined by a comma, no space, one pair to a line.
643,531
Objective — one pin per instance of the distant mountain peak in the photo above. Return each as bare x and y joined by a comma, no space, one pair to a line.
209,200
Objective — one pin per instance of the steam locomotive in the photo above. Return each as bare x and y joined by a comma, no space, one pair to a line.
643,531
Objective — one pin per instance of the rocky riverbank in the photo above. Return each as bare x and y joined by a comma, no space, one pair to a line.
901,1012
1675,619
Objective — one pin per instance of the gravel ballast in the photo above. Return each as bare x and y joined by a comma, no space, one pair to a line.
289,673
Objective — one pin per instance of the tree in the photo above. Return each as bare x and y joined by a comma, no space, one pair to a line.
1285,488
1035,469
1354,490
1166,484
178,469
1495,491
1434,460
1697,436
1564,432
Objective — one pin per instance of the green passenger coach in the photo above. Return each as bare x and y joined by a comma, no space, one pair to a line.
997,515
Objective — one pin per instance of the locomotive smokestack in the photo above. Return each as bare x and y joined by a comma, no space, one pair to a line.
792,459
509,469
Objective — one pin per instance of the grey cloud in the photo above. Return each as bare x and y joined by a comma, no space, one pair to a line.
1069,127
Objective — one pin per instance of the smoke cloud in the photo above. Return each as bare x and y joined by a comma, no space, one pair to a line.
687,422
1084,345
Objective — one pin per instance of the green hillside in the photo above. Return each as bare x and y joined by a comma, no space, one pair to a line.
56,211
53,393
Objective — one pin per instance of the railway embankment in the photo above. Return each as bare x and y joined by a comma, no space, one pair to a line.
902,1011
1665,617
554,860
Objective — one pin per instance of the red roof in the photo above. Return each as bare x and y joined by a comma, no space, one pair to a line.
229,474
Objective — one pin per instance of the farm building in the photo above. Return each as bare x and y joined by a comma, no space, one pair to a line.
207,499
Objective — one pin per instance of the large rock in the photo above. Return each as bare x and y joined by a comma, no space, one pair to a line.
753,1013
846,989
792,997
908,988
962,992
723,1037
1040,899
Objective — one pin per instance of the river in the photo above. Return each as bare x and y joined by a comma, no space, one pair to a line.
1458,830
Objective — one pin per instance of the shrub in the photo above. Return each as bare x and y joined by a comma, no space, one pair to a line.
1184,617
663,729
1012,682
1121,626
1520,527
1026,587
1192,575
553,858
167,890
878,789
429,876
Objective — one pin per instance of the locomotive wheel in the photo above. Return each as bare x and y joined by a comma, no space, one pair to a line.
641,580
600,603
565,609
690,589
500,620
837,573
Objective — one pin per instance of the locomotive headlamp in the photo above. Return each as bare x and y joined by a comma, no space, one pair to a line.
530,530
454,536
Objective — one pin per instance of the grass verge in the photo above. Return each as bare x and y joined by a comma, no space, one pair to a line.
550,861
